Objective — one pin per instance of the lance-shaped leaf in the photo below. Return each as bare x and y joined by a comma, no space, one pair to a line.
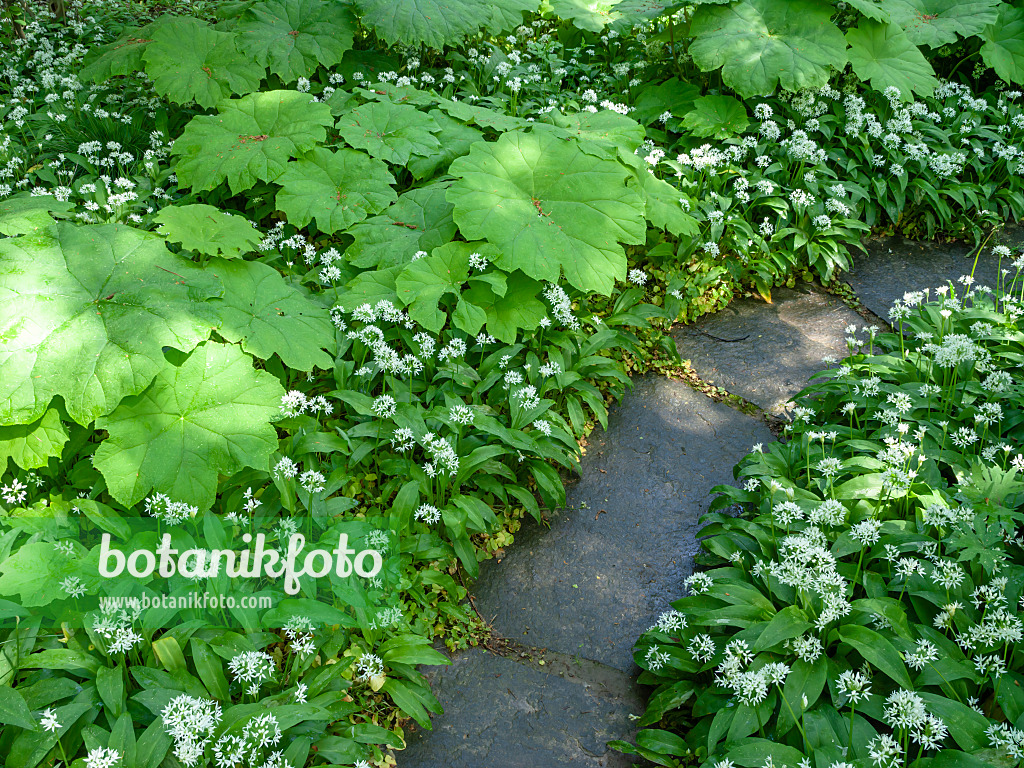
190,61
392,132
209,417
549,207
937,22
85,313
437,23
760,43
506,313
883,55
291,37
1003,49
250,139
337,189
420,220
206,229
121,57
31,445
268,316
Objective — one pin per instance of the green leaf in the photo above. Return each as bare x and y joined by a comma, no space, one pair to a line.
208,417
1003,49
208,230
392,132
753,752
190,61
370,287
877,651
268,316
423,282
605,133
85,313
718,116
885,56
966,725
437,23
661,204
673,95
455,137
291,37
24,213
549,207
410,649
210,669
14,711
250,139
110,685
663,742
420,220
31,445
790,622
870,9
337,189
119,58
33,572
589,15
937,22
761,43
517,308
482,116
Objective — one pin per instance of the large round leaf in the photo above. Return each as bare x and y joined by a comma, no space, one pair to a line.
937,22
190,61
590,15
518,307
1003,49
718,116
268,316
250,139
392,132
437,23
291,37
32,445
209,230
550,207
121,57
209,417
85,313
337,189
456,138
883,55
420,220
760,43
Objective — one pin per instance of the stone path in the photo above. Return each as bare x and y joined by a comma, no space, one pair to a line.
572,600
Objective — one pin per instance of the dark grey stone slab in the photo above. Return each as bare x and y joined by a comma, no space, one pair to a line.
893,266
501,713
615,559
765,352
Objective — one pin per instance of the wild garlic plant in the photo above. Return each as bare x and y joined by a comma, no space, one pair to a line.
865,604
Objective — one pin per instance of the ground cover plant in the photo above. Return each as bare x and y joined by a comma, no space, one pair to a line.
864,606
371,271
